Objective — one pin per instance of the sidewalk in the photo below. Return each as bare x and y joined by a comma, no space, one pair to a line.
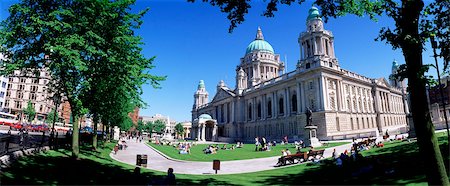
156,161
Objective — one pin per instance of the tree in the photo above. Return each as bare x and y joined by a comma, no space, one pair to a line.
149,127
179,129
30,112
51,117
408,35
78,42
118,67
159,126
140,126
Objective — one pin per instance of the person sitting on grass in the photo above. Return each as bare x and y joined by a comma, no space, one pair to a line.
232,147
213,150
224,147
207,150
239,144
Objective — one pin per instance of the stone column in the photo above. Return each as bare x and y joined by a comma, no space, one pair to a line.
302,97
287,108
198,133
214,133
299,105
203,132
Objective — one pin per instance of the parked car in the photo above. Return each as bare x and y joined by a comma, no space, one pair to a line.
17,126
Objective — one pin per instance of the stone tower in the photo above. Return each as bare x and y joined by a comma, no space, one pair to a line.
316,44
200,96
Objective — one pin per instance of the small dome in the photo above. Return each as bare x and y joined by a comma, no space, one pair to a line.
394,64
259,45
201,84
313,13
205,116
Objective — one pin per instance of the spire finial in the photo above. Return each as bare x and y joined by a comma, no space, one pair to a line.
259,34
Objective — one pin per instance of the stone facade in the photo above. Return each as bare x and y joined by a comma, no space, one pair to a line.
29,86
170,124
267,102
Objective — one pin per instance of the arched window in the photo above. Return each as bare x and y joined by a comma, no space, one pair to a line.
259,110
250,111
281,106
269,108
294,103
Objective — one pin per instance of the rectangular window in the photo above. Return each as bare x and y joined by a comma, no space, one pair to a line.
18,104
2,94
36,81
4,84
9,86
22,80
33,88
7,103
33,96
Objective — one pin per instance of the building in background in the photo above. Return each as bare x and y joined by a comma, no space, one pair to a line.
170,124
31,86
436,108
187,126
3,89
271,103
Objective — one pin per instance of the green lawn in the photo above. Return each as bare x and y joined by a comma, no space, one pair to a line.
57,168
247,152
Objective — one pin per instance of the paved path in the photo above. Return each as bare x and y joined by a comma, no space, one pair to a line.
158,162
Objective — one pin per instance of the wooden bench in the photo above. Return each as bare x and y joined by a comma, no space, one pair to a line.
315,153
300,157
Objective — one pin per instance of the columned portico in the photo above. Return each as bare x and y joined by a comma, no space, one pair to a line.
206,128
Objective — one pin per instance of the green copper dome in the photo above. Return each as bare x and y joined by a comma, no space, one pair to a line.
205,116
201,84
395,65
259,44
313,13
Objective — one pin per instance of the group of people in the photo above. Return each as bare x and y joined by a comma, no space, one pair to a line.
211,149
299,145
261,144
184,148
132,136
121,145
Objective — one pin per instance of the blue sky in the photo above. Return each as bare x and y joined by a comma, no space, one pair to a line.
191,43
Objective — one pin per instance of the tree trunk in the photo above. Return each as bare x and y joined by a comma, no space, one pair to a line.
426,138
94,138
107,133
75,135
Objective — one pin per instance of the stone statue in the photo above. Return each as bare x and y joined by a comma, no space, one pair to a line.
308,117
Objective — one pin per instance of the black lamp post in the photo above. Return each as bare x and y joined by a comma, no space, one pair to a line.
441,91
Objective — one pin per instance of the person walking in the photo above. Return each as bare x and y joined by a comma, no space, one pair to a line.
256,143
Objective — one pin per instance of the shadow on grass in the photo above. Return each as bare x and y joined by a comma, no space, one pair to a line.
93,168
394,165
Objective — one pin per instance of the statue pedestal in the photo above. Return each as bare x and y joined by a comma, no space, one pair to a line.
312,139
